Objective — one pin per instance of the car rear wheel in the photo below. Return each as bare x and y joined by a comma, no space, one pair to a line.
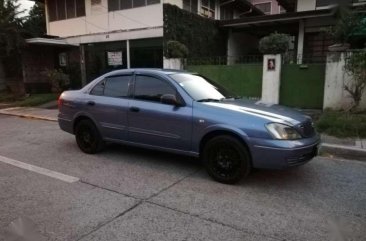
226,159
88,137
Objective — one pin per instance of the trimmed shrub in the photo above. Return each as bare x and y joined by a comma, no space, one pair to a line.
276,43
176,49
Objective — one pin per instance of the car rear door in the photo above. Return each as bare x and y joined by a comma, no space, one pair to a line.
154,123
108,104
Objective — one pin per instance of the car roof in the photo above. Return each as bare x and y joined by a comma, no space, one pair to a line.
148,70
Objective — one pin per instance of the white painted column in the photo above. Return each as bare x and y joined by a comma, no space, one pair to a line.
173,63
230,48
271,79
128,54
82,65
300,42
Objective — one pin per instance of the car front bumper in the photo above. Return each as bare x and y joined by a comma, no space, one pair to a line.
281,154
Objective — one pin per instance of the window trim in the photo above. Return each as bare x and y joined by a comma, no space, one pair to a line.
178,95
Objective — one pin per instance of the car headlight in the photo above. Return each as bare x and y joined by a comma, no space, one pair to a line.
282,132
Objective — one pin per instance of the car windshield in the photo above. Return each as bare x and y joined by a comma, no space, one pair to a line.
201,88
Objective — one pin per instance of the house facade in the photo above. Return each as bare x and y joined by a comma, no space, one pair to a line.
102,35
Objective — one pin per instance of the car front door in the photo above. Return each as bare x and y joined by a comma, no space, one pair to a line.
108,104
156,124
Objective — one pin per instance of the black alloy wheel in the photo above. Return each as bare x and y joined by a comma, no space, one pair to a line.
226,159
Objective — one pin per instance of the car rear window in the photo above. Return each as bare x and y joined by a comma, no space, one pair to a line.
114,86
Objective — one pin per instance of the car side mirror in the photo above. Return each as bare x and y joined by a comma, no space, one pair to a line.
170,99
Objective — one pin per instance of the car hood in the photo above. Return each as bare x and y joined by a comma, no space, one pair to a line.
270,112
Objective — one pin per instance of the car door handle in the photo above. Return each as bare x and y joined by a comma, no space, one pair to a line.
91,103
134,109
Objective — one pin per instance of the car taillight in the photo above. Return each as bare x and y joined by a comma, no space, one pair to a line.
60,102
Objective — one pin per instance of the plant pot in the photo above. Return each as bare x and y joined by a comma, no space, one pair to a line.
339,47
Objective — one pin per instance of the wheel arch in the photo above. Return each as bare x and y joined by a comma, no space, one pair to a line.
219,132
80,118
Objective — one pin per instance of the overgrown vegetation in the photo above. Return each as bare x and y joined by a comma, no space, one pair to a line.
200,35
58,79
342,124
275,43
348,23
355,66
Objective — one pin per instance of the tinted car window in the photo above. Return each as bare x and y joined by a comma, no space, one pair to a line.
151,89
117,86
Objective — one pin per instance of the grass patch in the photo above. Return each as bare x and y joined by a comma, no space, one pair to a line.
6,97
36,99
32,100
341,124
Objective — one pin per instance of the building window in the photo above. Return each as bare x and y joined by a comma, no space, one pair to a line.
115,5
65,9
266,8
190,5
208,8
324,3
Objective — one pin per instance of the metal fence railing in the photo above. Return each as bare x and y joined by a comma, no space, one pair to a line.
225,60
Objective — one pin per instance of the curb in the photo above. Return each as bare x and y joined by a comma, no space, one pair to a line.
348,152
38,117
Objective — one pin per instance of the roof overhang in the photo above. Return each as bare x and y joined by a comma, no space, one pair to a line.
277,18
49,42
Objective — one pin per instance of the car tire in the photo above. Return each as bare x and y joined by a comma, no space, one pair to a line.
226,159
88,137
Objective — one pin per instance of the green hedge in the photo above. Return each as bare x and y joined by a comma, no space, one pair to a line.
201,35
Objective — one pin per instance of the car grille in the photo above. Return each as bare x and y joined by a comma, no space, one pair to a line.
307,129
299,160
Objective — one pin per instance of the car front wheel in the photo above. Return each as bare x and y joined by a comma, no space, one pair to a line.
226,159
88,138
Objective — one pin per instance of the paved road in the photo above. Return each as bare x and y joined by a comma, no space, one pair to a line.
133,194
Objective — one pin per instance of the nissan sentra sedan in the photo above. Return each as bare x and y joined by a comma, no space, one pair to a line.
187,114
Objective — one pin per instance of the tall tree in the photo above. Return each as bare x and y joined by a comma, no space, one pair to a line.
35,22
11,37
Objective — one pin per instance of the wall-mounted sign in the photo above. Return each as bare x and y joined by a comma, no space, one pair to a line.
62,59
114,58
271,65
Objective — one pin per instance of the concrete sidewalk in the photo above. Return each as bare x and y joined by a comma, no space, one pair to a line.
32,112
350,148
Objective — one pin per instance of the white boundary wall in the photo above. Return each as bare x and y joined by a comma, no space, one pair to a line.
335,97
